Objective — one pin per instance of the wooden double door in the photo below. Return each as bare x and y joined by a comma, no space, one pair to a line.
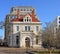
27,42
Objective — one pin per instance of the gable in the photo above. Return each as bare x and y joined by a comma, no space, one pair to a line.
27,18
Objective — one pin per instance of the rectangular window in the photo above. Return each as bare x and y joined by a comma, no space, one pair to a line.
17,28
36,39
9,39
25,28
37,28
28,28
17,40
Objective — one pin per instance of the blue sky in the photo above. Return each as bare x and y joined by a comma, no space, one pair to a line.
46,10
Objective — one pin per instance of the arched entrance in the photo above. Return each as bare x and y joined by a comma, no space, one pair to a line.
27,42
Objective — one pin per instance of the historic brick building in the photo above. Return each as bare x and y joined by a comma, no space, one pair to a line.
22,28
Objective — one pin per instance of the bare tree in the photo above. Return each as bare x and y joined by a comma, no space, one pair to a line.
48,37
58,38
2,25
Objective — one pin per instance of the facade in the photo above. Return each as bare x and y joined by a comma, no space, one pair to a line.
22,28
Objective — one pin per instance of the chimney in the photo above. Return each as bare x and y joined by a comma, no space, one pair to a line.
18,13
33,13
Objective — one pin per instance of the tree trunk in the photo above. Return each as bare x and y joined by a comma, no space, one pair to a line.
50,52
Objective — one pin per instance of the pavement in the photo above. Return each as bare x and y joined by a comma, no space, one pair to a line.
16,53
5,50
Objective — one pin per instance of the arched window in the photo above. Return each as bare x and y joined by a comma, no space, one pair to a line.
27,19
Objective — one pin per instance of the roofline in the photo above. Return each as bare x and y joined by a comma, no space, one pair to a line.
22,7
27,22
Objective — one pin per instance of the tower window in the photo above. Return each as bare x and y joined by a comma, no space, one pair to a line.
21,9
30,9
14,9
24,9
